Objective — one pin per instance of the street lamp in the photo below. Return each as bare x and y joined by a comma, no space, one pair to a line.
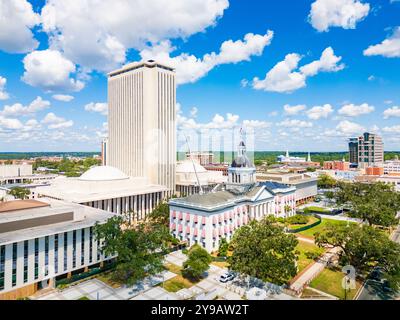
347,286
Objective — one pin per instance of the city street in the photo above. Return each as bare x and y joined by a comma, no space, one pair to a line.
373,289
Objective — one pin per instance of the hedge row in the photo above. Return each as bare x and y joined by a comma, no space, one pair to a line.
307,227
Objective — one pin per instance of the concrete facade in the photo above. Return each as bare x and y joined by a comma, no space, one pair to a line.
34,250
142,122
15,170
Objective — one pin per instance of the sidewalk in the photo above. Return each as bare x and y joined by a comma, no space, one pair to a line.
311,272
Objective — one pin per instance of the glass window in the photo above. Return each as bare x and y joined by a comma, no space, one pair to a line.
25,261
2,262
14,265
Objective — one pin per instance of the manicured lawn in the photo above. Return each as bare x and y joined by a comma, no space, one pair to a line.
304,247
318,228
173,268
307,293
330,281
176,283
318,209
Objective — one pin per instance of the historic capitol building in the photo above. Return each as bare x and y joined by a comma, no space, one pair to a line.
206,218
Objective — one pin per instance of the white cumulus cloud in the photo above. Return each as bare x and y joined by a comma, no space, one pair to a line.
347,127
393,129
293,123
10,124
16,20
190,68
62,97
100,107
286,76
337,13
389,48
96,34
293,110
3,94
54,122
352,110
391,112
17,109
319,112
50,71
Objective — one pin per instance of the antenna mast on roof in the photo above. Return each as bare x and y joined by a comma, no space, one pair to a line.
194,166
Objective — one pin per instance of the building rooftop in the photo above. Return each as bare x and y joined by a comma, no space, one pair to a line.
81,191
21,205
33,177
49,217
141,64
103,173
286,177
187,166
220,199
276,187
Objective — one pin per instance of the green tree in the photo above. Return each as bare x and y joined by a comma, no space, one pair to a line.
139,250
287,209
197,263
160,214
363,247
261,249
19,193
325,181
223,247
375,203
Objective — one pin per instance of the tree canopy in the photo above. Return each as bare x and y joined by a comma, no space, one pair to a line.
223,248
325,181
363,247
197,263
160,214
261,249
375,203
19,193
139,250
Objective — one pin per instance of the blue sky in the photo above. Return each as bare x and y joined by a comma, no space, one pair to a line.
334,64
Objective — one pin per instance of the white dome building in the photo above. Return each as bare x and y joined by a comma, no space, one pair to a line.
186,180
107,188
103,173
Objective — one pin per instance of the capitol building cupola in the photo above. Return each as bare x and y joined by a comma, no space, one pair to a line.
242,170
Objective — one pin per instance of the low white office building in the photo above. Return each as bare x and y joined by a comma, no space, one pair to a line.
109,189
22,173
15,170
305,183
392,166
42,240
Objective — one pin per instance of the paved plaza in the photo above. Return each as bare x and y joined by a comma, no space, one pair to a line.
95,289
151,288
177,258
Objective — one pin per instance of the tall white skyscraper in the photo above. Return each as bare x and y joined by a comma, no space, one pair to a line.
142,121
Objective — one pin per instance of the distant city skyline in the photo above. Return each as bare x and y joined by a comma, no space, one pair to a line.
305,86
